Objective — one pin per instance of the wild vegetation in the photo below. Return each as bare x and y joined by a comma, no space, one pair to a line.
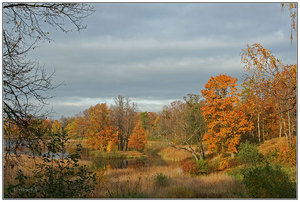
230,141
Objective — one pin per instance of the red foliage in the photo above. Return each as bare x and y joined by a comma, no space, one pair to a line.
189,166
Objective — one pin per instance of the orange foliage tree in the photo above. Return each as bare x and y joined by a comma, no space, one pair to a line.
226,122
98,128
138,138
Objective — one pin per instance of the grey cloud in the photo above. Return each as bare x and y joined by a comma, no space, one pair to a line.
161,51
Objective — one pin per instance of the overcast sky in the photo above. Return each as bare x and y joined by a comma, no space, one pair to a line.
155,53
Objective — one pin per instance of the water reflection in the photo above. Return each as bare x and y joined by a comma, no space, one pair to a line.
23,147
98,161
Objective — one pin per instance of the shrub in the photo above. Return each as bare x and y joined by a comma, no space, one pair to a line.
202,166
223,164
195,167
161,179
227,163
232,162
248,154
264,181
236,173
189,166
55,178
213,166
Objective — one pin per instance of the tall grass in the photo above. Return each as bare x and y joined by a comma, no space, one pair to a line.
26,163
142,182
172,154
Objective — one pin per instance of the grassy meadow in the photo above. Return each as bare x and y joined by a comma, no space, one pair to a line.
152,178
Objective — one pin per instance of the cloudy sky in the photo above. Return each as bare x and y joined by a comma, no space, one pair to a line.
155,53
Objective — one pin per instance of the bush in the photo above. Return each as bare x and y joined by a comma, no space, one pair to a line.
227,163
264,181
213,166
55,178
192,167
161,179
189,166
223,164
202,166
236,173
248,154
232,162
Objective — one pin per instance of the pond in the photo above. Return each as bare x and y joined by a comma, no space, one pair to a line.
121,162
22,147
98,161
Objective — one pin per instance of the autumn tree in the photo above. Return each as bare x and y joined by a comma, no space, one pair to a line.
151,119
76,127
284,92
260,67
226,122
56,127
182,125
170,124
123,118
98,128
138,138
272,89
194,124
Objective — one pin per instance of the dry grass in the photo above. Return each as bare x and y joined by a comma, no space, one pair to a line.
13,163
27,163
172,154
141,183
270,145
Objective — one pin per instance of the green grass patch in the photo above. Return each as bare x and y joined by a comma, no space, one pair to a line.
291,172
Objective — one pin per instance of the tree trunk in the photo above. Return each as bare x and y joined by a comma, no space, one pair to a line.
284,124
263,130
202,150
284,129
280,129
289,125
258,127
195,156
289,122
